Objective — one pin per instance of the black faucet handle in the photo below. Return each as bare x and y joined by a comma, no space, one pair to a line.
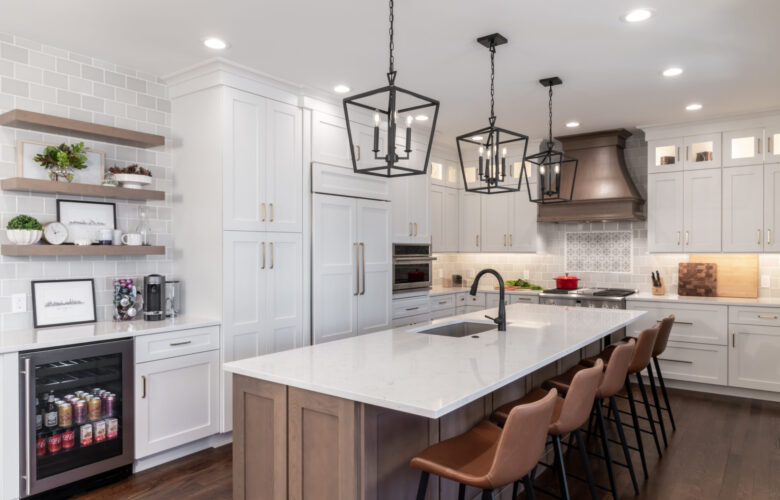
494,320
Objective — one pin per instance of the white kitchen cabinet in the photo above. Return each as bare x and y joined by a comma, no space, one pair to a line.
702,210
753,355
330,141
743,147
743,209
263,174
411,206
523,299
772,150
706,364
444,219
496,211
772,207
176,401
665,212
523,228
352,267
694,323
664,156
470,221
702,151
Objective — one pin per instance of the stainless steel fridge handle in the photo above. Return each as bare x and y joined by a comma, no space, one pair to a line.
357,270
27,436
143,379
363,266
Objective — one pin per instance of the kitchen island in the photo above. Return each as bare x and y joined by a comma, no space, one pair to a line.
342,420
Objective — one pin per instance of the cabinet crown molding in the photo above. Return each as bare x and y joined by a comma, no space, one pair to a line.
713,125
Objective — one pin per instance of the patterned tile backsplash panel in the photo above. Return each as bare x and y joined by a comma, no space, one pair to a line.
599,251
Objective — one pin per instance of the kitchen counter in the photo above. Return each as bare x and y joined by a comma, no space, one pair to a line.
440,290
429,375
41,338
729,301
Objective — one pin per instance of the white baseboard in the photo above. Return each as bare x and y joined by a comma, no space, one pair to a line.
213,441
720,389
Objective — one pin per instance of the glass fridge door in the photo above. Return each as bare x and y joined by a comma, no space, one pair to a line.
78,411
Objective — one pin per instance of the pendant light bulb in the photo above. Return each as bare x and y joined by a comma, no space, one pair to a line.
541,170
503,153
376,119
481,151
409,121
557,168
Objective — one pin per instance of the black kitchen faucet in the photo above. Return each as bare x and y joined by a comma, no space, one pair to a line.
501,319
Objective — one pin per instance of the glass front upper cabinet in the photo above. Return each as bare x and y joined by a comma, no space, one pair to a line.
437,172
665,156
773,145
702,151
743,147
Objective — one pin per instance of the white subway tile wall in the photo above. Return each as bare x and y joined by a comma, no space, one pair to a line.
51,80
544,266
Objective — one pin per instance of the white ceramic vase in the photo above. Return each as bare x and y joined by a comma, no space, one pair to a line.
133,181
24,236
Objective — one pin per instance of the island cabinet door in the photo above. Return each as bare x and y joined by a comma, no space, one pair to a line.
753,355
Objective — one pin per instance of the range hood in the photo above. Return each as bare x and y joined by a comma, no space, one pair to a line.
603,189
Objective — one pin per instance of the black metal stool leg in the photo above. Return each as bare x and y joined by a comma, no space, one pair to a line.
529,488
623,443
487,494
605,446
648,412
635,421
461,491
657,403
561,467
422,488
586,463
515,488
663,391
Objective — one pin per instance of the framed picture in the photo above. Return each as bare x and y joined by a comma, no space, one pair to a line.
30,169
63,302
84,219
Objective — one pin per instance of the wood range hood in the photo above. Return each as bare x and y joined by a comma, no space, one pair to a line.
603,190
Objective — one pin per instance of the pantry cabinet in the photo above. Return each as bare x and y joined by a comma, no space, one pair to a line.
444,219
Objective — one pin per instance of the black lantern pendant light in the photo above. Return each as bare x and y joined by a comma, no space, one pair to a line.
552,166
483,153
389,105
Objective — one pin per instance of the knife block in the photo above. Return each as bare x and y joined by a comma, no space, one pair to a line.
660,290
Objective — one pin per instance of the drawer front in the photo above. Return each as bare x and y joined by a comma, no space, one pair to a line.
465,299
460,310
403,308
440,302
491,300
761,316
411,320
443,313
524,299
471,309
178,343
700,324
707,364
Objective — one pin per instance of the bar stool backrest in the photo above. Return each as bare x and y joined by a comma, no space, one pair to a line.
644,350
664,329
617,369
522,440
579,399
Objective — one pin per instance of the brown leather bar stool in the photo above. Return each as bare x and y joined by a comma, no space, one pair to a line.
570,414
611,383
643,351
488,457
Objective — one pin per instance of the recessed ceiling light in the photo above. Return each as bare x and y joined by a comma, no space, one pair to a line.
573,124
673,71
693,107
476,138
215,43
637,16
421,118
341,89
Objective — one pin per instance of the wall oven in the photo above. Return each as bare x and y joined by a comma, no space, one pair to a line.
76,413
412,267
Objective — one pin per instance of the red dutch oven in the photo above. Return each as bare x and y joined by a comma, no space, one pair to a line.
566,282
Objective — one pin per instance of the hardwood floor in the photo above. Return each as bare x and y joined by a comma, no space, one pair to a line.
724,448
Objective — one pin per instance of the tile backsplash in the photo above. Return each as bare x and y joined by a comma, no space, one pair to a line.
599,251
46,79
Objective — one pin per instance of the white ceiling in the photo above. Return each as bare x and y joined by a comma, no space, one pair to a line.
611,70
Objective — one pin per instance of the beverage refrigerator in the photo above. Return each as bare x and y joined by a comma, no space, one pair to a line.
76,413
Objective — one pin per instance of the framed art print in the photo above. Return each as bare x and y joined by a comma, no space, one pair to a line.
63,302
30,169
84,219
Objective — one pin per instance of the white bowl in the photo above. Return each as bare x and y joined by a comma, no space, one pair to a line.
24,236
133,181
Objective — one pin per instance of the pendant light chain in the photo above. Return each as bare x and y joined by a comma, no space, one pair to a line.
492,83
391,73
550,139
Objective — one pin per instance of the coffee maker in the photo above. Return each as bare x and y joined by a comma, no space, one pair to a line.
154,297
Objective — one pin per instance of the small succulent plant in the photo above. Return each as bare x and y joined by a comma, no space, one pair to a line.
132,169
24,222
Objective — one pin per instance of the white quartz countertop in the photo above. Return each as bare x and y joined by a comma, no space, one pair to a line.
25,340
440,290
730,301
430,375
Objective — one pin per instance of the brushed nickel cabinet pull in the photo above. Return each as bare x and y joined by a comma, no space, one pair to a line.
758,148
262,216
504,240
477,240
412,308
357,271
683,323
768,236
263,265
441,303
678,238
271,219
769,144
415,229
686,153
510,239
758,240
766,316
676,360
733,340
143,379
678,154
272,255
358,152
174,344
687,238
410,229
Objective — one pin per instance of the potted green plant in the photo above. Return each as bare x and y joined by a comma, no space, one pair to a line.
133,177
62,160
24,230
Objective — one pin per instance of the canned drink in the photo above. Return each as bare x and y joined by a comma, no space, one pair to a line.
95,408
85,435
112,428
80,411
65,415
68,439
110,406
69,398
96,391
40,444
54,441
100,431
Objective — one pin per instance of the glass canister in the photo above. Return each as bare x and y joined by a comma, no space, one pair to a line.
143,228
127,300
172,298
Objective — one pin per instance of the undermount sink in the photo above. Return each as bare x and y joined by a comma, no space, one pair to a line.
459,329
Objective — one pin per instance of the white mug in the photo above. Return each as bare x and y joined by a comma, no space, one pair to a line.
131,239
105,236
117,239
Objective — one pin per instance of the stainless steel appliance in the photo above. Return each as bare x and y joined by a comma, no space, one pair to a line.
91,430
412,267
606,298
154,297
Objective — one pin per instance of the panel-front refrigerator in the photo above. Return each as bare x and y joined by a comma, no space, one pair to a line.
76,413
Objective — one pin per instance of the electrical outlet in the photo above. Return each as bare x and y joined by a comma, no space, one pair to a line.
765,281
526,275
19,302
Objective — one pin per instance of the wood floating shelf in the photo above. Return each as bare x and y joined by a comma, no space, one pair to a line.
40,122
72,188
42,250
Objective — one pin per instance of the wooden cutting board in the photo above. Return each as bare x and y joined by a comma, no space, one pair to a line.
737,273
697,279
